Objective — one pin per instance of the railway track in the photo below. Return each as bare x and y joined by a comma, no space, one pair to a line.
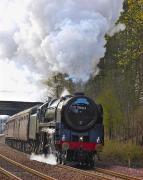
116,174
17,171
8,174
85,173
102,174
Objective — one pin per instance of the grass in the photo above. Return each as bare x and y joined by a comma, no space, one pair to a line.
123,153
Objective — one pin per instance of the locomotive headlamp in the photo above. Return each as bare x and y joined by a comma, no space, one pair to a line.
98,140
81,138
63,137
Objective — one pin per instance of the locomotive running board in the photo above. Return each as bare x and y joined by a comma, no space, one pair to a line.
49,124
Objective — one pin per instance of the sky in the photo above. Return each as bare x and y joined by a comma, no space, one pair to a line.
19,83
42,37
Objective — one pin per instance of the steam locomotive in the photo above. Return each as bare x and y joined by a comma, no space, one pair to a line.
71,126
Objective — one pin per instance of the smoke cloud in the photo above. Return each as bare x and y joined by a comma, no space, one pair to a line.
66,36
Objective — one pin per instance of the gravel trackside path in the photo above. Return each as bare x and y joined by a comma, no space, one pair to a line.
137,172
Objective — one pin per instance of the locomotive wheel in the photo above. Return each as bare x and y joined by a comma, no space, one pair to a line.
92,161
63,157
58,157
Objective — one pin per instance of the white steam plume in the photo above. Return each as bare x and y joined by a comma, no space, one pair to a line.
65,92
119,27
66,36
49,159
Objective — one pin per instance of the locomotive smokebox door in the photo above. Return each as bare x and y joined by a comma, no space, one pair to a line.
80,113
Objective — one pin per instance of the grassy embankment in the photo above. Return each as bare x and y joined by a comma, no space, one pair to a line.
119,153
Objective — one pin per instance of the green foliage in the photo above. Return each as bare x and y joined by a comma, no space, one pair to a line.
58,82
132,44
113,115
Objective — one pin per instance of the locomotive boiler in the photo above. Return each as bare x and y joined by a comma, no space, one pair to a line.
77,123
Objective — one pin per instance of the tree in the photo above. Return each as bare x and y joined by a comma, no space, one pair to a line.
58,82
121,75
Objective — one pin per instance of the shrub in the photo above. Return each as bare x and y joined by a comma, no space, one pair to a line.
123,153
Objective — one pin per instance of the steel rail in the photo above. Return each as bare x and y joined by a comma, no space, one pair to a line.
103,171
32,171
85,173
116,174
8,174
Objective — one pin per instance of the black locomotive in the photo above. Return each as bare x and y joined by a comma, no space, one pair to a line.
76,123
